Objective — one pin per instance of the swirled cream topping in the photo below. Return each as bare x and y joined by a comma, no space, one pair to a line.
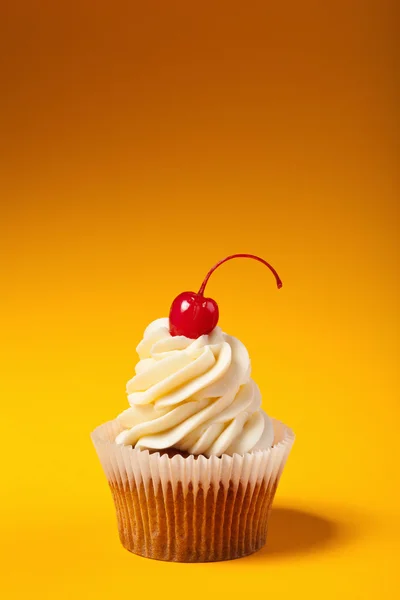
194,395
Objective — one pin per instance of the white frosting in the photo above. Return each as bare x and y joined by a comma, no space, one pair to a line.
194,395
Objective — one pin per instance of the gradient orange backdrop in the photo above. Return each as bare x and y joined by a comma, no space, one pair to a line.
140,143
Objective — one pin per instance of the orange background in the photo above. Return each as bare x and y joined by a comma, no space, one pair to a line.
140,143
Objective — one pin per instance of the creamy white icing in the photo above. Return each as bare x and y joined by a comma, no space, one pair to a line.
194,395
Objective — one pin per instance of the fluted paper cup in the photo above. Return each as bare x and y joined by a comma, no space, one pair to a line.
192,509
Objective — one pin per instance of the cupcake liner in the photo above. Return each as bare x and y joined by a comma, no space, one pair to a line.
193,509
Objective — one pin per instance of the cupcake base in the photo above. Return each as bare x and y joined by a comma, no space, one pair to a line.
193,528
192,509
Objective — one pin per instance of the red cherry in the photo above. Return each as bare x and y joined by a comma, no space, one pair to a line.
193,315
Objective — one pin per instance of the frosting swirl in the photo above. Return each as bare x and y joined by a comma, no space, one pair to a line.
194,395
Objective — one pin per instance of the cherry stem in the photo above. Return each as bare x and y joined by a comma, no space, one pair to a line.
261,260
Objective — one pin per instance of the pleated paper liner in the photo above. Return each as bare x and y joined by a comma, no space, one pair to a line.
193,509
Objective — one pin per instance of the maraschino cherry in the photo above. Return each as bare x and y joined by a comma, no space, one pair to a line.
193,315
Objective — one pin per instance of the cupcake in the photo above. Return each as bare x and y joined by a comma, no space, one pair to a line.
194,462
